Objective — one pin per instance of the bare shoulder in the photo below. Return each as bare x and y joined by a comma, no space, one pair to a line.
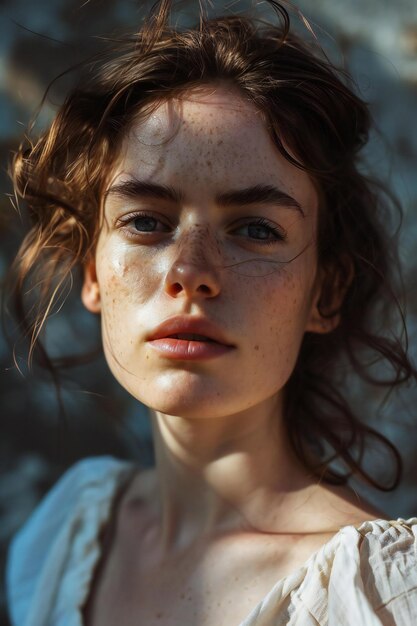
342,506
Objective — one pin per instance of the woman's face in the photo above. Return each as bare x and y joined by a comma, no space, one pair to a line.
205,220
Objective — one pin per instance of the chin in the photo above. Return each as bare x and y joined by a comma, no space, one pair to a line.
192,400
189,406
194,393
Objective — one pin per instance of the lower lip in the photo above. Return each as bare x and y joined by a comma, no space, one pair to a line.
185,350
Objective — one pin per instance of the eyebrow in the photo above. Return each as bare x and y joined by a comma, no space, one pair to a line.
257,194
133,187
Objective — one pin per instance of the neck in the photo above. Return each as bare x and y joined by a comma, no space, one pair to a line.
224,474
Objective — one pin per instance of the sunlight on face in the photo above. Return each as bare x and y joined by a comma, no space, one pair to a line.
200,207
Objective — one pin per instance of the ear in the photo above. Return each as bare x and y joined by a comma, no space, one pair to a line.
328,295
319,321
90,292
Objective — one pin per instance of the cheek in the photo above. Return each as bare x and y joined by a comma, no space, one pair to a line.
126,286
280,312
124,279
284,297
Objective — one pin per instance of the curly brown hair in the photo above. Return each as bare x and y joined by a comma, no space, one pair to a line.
311,110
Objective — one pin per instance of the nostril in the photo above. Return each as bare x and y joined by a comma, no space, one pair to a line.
191,279
176,288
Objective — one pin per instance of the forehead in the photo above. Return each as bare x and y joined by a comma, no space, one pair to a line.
209,140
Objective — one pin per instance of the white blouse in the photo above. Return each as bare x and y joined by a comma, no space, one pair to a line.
364,576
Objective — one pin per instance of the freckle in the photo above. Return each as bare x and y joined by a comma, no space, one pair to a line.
256,347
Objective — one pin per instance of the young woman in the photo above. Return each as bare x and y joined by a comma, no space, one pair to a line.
206,181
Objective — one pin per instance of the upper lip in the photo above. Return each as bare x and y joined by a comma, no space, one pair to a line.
186,324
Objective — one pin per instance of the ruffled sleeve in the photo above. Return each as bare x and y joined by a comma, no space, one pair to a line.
375,581
51,559
363,576
389,569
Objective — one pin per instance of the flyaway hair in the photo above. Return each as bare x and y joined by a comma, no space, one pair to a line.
316,122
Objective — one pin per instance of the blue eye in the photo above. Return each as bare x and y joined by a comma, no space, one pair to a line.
263,231
145,223
258,231
139,224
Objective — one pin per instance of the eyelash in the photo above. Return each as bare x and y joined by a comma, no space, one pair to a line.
128,219
280,235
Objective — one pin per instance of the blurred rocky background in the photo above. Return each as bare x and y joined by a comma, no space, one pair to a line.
375,39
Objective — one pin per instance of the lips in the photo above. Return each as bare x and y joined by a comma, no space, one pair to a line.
188,328
187,338
190,337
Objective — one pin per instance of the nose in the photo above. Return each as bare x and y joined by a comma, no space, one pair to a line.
192,273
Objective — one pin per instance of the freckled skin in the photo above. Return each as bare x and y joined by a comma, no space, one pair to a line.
205,146
224,467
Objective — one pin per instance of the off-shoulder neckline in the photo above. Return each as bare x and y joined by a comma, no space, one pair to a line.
364,528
